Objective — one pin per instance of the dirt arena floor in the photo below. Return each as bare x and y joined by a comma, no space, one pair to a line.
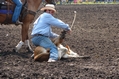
95,33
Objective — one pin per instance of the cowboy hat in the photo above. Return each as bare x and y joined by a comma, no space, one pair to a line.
49,7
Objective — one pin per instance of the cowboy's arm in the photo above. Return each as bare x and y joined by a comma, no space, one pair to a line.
58,23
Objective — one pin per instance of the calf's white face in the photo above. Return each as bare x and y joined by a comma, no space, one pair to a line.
66,52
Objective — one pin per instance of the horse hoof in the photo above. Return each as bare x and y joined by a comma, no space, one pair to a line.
29,50
15,50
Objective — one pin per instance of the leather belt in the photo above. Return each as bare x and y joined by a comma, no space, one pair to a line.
37,35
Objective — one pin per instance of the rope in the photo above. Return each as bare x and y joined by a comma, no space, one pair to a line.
73,19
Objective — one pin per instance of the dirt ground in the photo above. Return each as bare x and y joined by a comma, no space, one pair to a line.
95,33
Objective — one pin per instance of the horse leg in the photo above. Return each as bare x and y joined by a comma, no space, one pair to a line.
25,40
18,46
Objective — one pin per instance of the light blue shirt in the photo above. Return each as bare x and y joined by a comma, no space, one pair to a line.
43,25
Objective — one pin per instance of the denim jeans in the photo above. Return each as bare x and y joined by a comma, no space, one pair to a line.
17,10
45,42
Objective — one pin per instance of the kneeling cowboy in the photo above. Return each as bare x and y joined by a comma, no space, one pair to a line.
42,32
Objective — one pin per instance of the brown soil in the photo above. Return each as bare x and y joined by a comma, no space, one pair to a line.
95,33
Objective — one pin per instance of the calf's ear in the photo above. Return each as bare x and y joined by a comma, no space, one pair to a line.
68,52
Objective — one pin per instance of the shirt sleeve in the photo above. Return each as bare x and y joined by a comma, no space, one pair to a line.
57,23
53,35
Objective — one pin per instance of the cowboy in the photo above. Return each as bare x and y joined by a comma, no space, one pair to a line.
42,32
16,14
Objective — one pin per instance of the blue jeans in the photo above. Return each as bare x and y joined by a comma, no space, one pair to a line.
17,10
45,42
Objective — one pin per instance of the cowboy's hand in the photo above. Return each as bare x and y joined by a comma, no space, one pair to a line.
69,31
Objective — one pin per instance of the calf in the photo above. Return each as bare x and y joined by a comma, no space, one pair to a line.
42,54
